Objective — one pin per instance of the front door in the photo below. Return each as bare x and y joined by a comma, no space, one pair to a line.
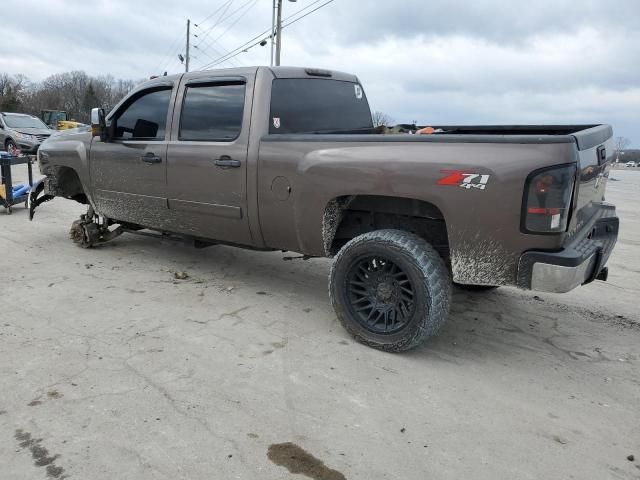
207,158
128,172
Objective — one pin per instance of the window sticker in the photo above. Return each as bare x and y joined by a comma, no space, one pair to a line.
276,122
358,90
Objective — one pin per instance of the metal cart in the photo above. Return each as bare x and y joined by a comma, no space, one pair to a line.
7,200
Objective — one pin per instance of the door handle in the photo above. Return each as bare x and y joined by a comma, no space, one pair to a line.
227,162
150,157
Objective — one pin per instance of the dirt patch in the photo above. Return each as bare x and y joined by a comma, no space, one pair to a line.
54,394
40,454
297,460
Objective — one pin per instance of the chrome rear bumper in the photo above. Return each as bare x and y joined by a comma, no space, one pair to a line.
580,262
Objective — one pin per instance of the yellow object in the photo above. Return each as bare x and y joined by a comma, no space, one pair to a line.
67,124
58,119
3,190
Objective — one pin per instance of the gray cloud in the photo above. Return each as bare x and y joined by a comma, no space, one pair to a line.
440,61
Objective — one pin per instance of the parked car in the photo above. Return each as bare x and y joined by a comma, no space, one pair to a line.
19,131
287,159
630,164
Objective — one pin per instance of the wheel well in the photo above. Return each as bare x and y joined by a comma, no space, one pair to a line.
349,216
66,183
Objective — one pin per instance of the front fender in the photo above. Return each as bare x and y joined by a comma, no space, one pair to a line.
66,151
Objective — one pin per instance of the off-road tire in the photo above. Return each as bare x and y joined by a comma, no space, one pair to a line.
429,277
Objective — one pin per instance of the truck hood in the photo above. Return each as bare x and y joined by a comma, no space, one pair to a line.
81,134
71,132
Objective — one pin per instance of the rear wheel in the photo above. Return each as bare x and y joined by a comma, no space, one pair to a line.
390,289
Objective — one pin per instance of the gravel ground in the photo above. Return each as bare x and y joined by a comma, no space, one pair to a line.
113,369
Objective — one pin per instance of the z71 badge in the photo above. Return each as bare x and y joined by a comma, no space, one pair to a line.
459,178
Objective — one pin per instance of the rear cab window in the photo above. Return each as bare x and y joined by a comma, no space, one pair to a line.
312,105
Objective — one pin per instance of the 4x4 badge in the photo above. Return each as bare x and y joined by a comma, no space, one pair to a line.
459,178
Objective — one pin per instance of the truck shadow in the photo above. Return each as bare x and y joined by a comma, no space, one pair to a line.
508,323
496,324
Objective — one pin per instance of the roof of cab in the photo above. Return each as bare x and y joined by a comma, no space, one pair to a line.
278,72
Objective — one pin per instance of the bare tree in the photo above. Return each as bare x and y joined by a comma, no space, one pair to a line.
621,143
382,119
74,92
12,91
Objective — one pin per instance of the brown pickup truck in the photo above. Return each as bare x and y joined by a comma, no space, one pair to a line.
288,159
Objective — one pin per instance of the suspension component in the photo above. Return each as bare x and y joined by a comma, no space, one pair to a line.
89,231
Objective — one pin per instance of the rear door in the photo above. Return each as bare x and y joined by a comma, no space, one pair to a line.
128,173
207,158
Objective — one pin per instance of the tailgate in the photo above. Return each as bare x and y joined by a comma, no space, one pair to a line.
595,154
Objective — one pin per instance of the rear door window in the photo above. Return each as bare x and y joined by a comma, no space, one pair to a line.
212,112
312,105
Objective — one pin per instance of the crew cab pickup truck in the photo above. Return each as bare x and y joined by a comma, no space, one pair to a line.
288,159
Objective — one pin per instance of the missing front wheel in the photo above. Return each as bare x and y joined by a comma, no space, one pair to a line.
87,232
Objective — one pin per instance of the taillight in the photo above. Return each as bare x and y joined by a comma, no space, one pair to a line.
547,200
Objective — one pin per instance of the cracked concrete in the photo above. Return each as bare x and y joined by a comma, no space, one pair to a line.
134,375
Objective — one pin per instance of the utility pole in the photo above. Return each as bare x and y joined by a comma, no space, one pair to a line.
186,62
273,31
276,30
278,33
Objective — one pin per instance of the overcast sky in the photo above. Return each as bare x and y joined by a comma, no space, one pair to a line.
437,62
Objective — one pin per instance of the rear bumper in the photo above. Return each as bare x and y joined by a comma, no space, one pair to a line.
577,264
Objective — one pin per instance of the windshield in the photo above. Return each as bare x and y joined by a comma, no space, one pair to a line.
23,121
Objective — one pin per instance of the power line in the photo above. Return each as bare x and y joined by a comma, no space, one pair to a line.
221,20
203,40
172,57
171,51
253,3
215,50
298,12
214,12
248,45
306,14
234,62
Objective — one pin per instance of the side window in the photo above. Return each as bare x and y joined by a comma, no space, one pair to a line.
145,118
212,112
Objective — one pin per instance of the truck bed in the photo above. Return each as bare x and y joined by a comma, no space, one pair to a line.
584,136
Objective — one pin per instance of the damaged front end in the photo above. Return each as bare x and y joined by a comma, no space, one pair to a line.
63,181
37,196
59,181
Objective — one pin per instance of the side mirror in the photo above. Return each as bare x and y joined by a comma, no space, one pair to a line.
98,124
